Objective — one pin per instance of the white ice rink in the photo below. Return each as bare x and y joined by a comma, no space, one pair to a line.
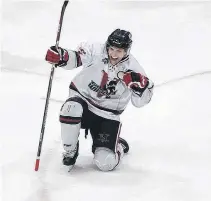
170,138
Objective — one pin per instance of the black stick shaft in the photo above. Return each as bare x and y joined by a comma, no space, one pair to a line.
49,90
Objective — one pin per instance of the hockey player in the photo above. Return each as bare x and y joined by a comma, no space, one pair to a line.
110,78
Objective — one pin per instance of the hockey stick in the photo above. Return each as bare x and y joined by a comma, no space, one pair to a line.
49,90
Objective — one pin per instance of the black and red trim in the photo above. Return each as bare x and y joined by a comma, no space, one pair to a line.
76,99
78,59
69,120
103,82
116,112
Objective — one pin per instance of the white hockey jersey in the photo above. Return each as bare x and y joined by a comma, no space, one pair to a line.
98,84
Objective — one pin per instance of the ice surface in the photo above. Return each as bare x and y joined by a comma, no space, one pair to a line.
170,155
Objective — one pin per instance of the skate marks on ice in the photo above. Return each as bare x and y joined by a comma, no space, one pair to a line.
185,77
47,176
54,178
139,175
164,83
130,180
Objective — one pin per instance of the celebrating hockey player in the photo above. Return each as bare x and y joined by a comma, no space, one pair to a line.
110,78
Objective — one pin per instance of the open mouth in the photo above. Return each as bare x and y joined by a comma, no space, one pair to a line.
114,58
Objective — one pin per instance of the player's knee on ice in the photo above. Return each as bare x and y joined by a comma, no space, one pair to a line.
106,160
70,118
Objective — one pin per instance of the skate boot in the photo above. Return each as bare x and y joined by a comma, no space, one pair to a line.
124,145
69,157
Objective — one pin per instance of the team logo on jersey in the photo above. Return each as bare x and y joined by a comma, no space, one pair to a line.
107,90
95,87
110,87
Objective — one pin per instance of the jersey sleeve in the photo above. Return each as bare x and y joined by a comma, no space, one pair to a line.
82,56
86,52
140,101
145,97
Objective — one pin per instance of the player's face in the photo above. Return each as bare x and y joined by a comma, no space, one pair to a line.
115,54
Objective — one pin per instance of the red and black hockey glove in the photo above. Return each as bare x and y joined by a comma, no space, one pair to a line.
58,57
137,82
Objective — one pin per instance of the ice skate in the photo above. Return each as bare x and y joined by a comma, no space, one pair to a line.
69,157
124,145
